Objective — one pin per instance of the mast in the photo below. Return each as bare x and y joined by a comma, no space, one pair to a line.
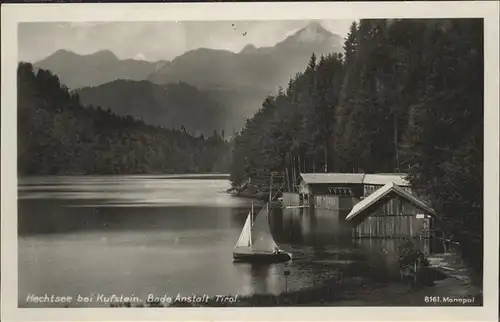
271,189
294,170
251,225
251,217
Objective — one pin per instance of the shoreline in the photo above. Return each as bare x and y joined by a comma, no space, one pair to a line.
358,291
349,292
354,291
247,195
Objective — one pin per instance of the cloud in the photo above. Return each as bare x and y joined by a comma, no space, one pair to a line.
140,56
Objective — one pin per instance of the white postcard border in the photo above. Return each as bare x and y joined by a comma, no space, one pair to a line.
13,14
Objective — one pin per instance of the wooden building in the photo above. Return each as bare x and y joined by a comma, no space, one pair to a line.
327,190
339,184
348,184
373,182
371,219
377,205
318,189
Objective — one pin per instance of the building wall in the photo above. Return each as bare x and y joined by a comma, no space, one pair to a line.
368,189
397,206
351,190
303,188
326,202
334,202
377,226
291,199
394,219
355,190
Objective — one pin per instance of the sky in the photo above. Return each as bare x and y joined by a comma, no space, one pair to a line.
155,41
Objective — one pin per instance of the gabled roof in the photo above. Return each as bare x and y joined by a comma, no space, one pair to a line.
344,178
371,202
385,178
355,178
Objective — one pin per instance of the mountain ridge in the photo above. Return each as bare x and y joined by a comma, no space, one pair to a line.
269,67
80,70
239,81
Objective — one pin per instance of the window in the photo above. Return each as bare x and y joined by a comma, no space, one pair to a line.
340,191
369,189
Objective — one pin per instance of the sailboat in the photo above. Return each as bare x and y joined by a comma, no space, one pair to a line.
256,243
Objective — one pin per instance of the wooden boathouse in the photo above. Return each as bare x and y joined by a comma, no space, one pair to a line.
376,205
389,212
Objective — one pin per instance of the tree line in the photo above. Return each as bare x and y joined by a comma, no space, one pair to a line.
57,135
406,96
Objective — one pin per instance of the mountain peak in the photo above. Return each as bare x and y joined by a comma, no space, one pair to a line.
312,32
105,54
63,52
68,54
248,49
313,37
315,26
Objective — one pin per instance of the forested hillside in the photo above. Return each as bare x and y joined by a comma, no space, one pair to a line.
57,135
407,96
170,106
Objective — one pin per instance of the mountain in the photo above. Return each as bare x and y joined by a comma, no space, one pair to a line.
238,82
242,80
170,106
313,35
76,70
263,68
58,136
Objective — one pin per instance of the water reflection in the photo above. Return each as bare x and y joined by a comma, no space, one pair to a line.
311,227
330,242
129,191
260,278
49,216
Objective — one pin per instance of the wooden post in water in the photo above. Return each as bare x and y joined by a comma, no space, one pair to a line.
286,273
287,180
326,157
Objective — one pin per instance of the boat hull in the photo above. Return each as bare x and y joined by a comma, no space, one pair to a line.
261,257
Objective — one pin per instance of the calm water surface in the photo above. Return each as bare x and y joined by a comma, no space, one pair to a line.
141,235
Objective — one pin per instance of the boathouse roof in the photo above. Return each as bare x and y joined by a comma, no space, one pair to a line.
355,178
367,205
385,178
325,178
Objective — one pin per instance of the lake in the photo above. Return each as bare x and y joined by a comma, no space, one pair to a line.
142,235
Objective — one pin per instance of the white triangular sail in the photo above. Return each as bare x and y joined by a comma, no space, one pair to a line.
245,239
262,238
